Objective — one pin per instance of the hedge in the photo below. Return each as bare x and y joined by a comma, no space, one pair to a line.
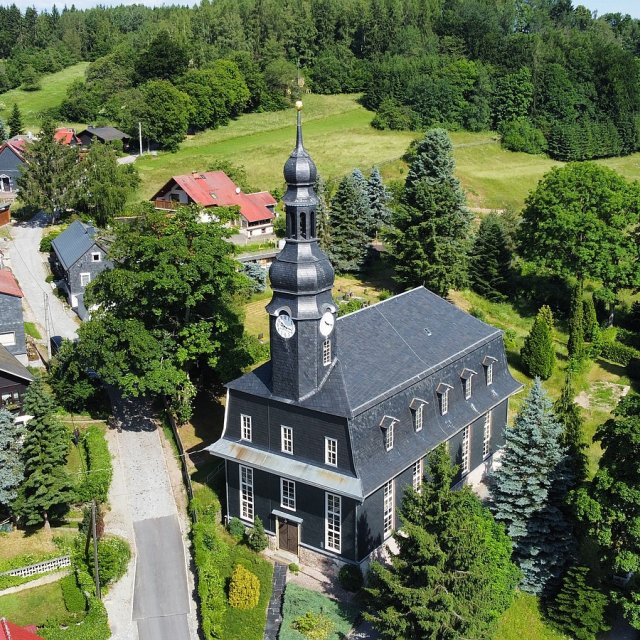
74,599
618,352
95,483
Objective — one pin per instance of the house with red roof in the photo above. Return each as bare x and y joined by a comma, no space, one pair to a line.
11,319
10,631
66,135
256,211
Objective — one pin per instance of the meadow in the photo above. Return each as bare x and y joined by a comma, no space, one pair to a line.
32,103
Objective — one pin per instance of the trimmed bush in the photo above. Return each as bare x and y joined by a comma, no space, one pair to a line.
256,538
74,599
538,353
113,557
314,626
520,135
618,352
236,528
350,577
244,588
95,484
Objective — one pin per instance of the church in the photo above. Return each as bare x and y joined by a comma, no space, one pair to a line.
321,442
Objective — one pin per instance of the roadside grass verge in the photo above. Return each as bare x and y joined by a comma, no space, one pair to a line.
31,329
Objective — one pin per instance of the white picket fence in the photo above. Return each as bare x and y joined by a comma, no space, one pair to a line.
40,567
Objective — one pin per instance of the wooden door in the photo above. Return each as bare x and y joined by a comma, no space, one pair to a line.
288,536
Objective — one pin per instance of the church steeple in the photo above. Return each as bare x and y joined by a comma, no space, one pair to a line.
302,333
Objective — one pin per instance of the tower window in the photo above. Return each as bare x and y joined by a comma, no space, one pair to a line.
245,430
331,451
466,450
303,225
246,493
326,352
486,438
388,509
333,525
288,494
286,435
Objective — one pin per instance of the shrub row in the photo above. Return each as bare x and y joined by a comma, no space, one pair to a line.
74,599
95,483
618,352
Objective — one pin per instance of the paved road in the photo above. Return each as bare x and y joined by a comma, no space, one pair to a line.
28,265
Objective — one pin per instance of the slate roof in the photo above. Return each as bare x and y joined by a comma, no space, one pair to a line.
384,348
9,285
73,243
216,189
9,364
106,134
15,146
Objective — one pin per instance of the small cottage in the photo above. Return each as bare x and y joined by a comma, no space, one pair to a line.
11,318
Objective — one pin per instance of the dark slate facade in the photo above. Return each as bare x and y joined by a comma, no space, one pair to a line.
10,162
322,441
11,322
78,257
14,381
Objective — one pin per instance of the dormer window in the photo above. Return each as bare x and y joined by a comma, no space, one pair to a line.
95,256
487,363
443,396
417,408
387,424
245,428
467,375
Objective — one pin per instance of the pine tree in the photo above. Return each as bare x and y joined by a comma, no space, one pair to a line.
590,320
527,492
490,260
11,467
575,346
378,200
323,230
572,439
452,571
47,489
538,354
349,240
579,609
431,224
15,122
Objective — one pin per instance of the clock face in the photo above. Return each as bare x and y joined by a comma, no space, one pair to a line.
285,325
326,323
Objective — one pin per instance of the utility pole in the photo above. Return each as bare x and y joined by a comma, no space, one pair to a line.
96,570
140,136
46,323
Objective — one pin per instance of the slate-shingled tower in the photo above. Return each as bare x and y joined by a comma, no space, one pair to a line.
322,441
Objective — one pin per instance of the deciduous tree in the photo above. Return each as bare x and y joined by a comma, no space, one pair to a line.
575,346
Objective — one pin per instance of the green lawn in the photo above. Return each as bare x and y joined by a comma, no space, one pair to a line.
523,621
31,329
31,103
34,606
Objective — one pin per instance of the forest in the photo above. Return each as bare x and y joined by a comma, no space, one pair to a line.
549,77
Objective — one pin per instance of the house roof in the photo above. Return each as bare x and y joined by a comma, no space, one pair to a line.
385,347
73,243
9,285
9,364
65,135
107,134
15,146
216,189
10,631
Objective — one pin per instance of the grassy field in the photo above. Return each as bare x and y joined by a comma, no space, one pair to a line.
31,103
523,621
33,606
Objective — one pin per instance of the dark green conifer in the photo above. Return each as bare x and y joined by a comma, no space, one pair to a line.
575,345
590,320
490,260
538,353
16,127
378,200
11,466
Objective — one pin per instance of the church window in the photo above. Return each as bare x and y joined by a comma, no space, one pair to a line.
286,434
333,524
326,352
331,451
246,493
388,508
466,450
418,417
388,437
287,494
486,439
418,472
489,373
245,431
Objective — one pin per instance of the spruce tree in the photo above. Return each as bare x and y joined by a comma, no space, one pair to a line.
575,346
538,354
572,439
378,200
349,240
323,228
590,320
16,127
527,492
364,212
490,260
431,224
452,571
579,609
11,466
47,489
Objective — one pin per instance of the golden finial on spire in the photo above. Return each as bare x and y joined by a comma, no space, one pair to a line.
299,105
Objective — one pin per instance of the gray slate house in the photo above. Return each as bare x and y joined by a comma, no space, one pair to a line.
102,134
11,159
11,318
78,257
322,441
14,381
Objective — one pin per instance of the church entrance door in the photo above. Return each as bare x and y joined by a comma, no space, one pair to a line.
288,536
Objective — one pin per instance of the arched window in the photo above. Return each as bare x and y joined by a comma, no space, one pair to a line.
303,225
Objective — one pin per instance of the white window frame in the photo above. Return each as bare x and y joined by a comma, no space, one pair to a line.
465,465
388,437
331,451
286,439
444,402
246,428
8,339
387,509
489,374
94,258
418,473
326,352
287,494
246,493
333,522
467,388
418,418
82,279
486,435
